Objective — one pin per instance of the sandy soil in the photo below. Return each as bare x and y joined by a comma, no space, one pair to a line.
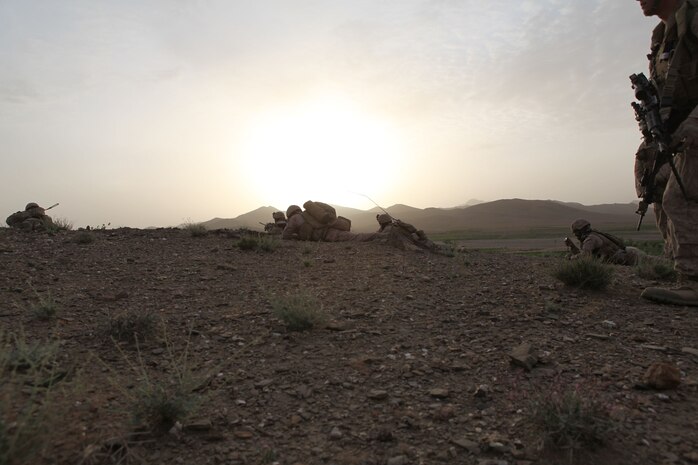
413,367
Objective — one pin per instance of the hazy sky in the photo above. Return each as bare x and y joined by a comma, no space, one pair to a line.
152,113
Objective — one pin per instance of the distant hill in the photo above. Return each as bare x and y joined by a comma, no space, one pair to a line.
499,215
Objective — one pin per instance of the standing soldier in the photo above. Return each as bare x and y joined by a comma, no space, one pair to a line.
674,72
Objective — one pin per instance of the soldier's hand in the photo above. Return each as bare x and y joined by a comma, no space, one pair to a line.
686,136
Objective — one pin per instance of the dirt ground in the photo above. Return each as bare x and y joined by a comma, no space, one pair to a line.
412,368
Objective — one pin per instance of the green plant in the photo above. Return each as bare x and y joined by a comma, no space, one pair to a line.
27,357
299,312
27,407
569,420
650,247
268,243
195,229
655,268
269,456
307,263
265,243
131,326
158,403
62,224
584,273
45,307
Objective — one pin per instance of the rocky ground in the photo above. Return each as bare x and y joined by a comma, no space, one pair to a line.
413,366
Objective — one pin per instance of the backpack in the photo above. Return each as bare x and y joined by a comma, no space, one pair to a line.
320,216
615,239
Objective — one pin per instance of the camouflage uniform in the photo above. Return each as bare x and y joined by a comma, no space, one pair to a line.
674,72
601,246
33,218
403,235
298,228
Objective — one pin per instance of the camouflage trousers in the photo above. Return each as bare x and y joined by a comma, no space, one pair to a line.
682,214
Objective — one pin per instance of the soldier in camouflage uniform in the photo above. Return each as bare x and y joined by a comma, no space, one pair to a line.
403,235
674,71
33,218
603,246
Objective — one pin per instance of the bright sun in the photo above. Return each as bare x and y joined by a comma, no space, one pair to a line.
325,149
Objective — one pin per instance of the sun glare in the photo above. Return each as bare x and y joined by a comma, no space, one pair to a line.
326,150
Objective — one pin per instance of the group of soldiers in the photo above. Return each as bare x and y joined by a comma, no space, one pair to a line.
299,224
672,186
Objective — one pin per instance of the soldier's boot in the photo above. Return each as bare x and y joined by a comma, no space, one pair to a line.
686,294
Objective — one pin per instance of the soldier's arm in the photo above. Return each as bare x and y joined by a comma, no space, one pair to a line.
591,244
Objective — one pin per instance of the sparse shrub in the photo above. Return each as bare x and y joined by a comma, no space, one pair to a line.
571,421
131,326
655,268
265,243
26,402
584,273
195,229
268,243
306,250
247,242
30,357
45,308
269,456
307,263
299,312
655,247
84,237
61,224
157,404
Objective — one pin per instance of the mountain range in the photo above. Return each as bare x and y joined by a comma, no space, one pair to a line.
496,216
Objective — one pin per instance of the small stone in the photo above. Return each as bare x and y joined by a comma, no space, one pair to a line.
157,351
439,393
201,425
691,456
243,434
335,433
524,356
471,446
483,391
663,375
377,394
398,460
263,383
690,350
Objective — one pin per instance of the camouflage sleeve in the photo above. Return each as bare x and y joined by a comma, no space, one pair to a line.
591,244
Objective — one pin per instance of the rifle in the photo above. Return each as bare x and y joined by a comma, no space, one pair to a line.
573,247
54,205
654,132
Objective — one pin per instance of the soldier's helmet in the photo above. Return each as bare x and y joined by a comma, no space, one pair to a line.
31,205
293,209
580,225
